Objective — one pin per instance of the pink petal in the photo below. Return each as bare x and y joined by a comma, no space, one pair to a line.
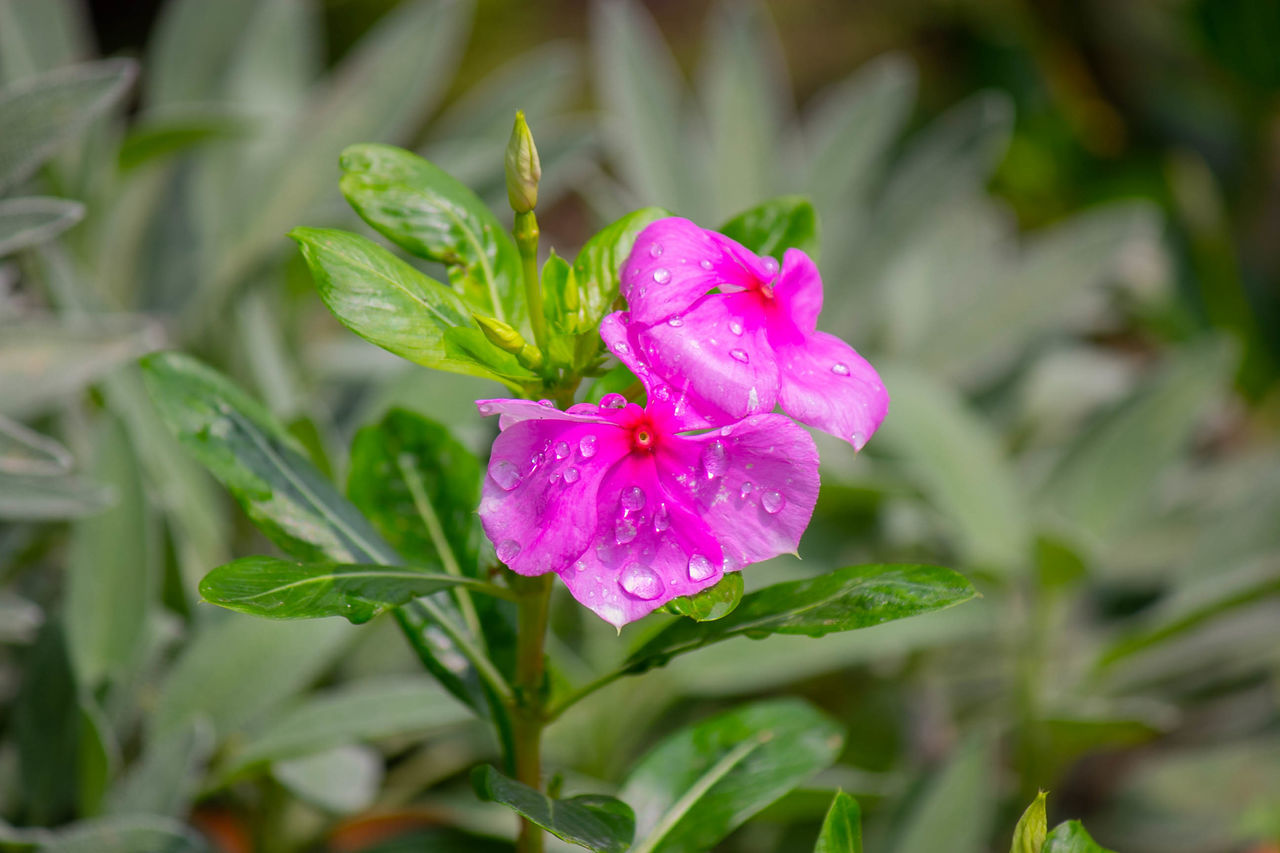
753,483
799,291
620,338
538,504
515,411
827,385
718,354
674,262
647,548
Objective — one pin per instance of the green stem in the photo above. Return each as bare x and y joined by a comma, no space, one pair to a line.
484,667
528,717
555,709
526,234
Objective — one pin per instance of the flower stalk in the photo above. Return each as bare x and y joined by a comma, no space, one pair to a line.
528,710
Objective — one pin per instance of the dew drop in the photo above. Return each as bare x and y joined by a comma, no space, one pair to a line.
507,550
612,401
641,582
735,327
713,460
633,498
555,478
700,568
661,518
753,399
773,502
587,447
859,440
771,264
676,322
624,530
705,264
505,474
655,251
571,475
746,490
622,347
661,275
562,449
840,369
547,403
739,355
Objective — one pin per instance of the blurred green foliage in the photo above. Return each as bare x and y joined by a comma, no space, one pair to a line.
1052,224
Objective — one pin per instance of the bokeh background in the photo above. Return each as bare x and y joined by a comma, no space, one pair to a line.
1055,226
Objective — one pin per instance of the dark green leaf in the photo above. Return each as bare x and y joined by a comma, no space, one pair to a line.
46,725
842,828
1028,835
598,263
1071,837
711,604
430,214
592,821
699,784
847,599
788,222
27,221
282,589
383,299
41,113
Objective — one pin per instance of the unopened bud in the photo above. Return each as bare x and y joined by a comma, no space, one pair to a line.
505,337
523,168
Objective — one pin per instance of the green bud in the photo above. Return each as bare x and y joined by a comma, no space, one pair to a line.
523,168
1028,835
505,337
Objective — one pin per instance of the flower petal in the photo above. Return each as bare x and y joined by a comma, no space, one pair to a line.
670,405
674,263
753,483
827,385
538,504
718,354
515,411
647,548
799,291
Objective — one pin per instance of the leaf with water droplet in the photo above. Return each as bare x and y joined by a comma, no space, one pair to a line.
714,602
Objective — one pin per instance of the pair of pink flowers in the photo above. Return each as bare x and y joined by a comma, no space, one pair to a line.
634,506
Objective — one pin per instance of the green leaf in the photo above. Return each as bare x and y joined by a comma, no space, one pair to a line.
616,380
842,828
47,728
24,451
282,589
27,221
788,222
164,781
596,269
432,215
37,37
383,299
125,834
847,599
157,139
42,498
342,781
713,603
420,487
360,711
593,821
955,809
42,113
113,574
702,782
1071,837
1028,835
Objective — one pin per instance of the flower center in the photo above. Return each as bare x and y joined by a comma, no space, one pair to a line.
643,437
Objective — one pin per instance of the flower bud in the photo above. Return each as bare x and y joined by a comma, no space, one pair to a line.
524,170
505,337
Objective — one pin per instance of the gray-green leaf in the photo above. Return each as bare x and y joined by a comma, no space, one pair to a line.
28,221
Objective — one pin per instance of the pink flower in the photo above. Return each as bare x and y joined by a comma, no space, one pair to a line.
737,335
629,509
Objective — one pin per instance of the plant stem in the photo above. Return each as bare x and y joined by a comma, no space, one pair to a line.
528,716
526,233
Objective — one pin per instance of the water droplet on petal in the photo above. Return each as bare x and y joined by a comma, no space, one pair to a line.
505,474
555,478
487,409
612,401
676,322
587,447
747,489
753,399
735,327
547,403
773,502
859,440
700,568
771,264
624,530
641,581
661,275
739,355
705,264
713,460
661,518
562,449
655,251
571,475
840,369
633,498
507,550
